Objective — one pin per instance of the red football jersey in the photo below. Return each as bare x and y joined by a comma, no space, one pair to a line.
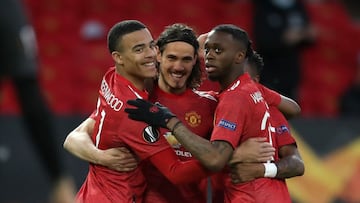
278,120
113,128
276,190
282,128
195,109
242,112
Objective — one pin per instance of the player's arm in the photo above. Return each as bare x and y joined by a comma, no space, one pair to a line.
212,155
289,165
79,143
176,171
289,107
201,39
286,105
255,149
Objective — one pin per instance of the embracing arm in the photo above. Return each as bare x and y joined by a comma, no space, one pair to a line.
201,39
176,171
79,143
289,165
255,149
289,107
212,155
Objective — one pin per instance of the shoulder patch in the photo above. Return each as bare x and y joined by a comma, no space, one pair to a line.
227,124
151,134
282,129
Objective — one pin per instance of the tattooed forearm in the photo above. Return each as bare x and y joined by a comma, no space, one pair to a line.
213,156
222,147
290,164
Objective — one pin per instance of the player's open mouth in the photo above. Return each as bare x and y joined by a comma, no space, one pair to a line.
176,76
150,64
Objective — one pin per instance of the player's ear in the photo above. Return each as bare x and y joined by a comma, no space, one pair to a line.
117,57
240,56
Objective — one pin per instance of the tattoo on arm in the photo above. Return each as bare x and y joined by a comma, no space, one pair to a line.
212,155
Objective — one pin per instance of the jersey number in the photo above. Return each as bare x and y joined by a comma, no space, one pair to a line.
103,113
270,129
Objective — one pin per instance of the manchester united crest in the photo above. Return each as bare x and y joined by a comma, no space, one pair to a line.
193,119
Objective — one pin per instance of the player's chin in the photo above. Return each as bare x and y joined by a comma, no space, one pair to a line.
150,72
212,76
177,83
177,86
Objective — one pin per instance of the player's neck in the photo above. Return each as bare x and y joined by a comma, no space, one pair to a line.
137,82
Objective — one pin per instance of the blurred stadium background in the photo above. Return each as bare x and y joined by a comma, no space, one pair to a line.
73,56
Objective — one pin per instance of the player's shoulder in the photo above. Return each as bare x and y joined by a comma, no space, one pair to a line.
209,95
110,70
109,74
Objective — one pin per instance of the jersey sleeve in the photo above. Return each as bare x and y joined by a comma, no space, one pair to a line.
176,171
230,117
282,128
271,97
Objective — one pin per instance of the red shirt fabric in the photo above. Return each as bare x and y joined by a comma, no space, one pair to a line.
195,109
243,113
282,129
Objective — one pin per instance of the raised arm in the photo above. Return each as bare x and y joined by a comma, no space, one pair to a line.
289,107
201,39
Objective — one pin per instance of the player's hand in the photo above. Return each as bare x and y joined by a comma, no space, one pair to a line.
118,159
253,150
201,39
245,172
152,114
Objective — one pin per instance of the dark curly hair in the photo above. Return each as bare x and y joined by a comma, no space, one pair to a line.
257,62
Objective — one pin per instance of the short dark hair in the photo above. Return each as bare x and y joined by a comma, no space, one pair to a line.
256,62
238,34
119,30
179,32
